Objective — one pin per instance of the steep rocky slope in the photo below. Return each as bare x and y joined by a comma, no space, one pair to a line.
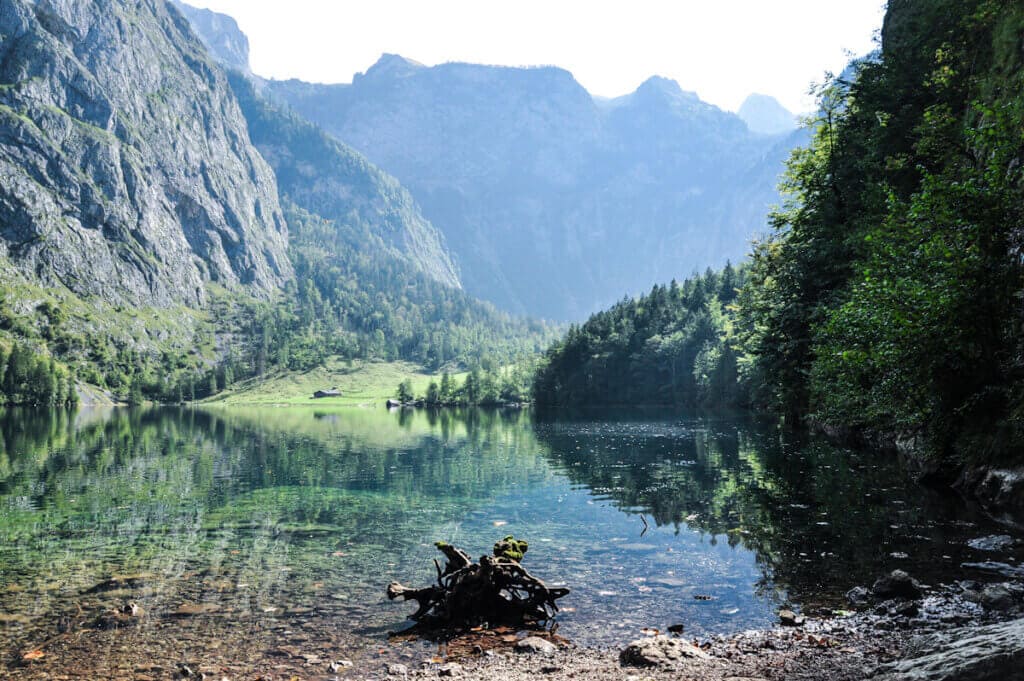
329,179
127,169
321,174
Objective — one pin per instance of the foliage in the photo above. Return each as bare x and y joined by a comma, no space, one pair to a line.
30,378
888,296
671,346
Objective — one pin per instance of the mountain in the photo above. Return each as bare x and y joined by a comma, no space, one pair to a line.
221,35
320,174
166,230
556,203
128,172
764,115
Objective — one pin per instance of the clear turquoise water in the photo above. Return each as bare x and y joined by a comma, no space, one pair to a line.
273,513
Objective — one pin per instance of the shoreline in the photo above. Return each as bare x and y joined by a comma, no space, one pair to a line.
886,641
888,629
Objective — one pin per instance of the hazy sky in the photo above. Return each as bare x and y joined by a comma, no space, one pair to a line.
722,49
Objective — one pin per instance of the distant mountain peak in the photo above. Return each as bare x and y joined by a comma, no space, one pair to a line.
221,35
664,86
765,116
392,65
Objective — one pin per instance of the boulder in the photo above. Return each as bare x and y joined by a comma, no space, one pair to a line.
536,644
660,651
1001,597
989,653
788,618
897,584
993,567
333,392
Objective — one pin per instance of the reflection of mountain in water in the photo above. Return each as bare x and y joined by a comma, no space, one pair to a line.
820,519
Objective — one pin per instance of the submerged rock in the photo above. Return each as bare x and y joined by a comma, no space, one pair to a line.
990,653
993,542
660,651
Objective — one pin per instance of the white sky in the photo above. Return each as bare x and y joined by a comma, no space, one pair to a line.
722,49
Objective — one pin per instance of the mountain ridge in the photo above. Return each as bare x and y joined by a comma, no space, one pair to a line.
764,115
320,173
554,202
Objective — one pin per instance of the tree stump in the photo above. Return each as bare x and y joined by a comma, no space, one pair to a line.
495,589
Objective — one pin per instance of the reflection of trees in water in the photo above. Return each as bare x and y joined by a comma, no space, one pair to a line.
819,518
173,491
127,475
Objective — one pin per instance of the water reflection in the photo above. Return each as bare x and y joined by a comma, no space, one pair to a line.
819,518
296,519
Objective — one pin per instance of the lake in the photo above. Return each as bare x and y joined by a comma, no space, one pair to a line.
254,533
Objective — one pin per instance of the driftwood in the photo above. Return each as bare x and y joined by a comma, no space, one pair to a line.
497,589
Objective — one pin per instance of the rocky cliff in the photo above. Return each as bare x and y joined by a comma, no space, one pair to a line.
321,174
221,34
329,179
127,169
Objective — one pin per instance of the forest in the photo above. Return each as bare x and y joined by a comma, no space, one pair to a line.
887,297
675,345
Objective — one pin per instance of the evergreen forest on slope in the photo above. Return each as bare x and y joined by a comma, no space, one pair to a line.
888,297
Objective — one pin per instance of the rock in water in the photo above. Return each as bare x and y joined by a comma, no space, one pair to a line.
994,542
897,584
989,653
660,651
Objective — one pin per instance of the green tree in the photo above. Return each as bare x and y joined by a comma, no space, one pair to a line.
405,393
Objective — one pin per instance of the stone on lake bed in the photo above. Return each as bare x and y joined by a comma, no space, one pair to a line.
450,669
994,542
194,609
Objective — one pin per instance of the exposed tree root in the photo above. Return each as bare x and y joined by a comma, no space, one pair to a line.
497,589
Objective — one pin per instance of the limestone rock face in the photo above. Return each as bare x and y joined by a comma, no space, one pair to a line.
127,170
